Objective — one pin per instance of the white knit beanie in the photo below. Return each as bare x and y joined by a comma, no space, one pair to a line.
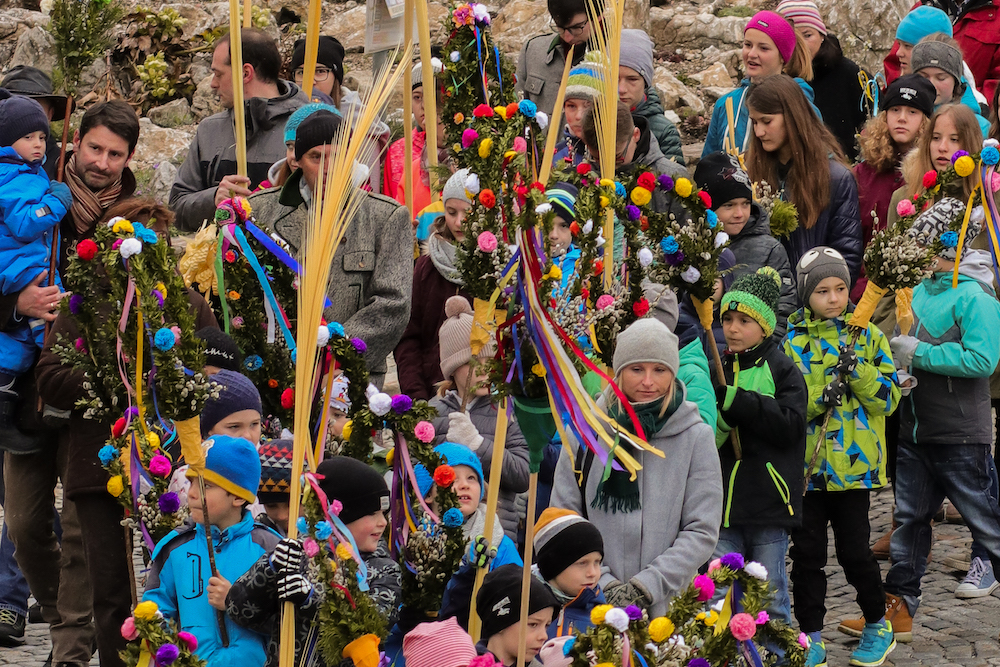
455,188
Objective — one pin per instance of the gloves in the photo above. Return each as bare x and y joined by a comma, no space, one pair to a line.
480,552
833,394
61,192
287,557
622,595
903,349
463,431
847,361
294,588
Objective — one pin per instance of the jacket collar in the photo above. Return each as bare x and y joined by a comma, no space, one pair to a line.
754,356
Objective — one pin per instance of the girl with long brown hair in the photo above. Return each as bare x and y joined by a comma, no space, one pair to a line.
794,152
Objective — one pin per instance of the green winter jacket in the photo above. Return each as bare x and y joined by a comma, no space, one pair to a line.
853,454
696,376
665,132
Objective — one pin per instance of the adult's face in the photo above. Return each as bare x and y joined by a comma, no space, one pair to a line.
101,156
222,75
313,163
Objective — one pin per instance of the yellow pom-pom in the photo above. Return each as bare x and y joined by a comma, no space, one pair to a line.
683,187
343,553
555,272
604,201
146,611
770,273
501,111
457,148
964,166
510,155
162,289
123,226
116,486
711,618
390,456
660,629
485,147
607,183
597,613
538,370
153,440
605,664
345,433
641,196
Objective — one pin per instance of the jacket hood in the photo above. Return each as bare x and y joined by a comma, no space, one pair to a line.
685,417
264,113
759,223
647,150
803,322
275,169
651,106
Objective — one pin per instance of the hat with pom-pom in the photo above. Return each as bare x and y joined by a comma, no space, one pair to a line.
756,295
454,188
817,265
455,334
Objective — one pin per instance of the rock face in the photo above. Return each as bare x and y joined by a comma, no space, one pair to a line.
866,28
519,21
348,25
35,47
673,93
158,144
171,114
676,27
716,75
204,103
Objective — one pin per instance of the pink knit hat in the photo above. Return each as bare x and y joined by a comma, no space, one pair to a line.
802,14
438,644
778,29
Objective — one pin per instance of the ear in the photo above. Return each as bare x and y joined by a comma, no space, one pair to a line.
76,140
636,133
248,73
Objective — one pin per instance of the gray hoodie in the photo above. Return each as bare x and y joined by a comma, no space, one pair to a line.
663,544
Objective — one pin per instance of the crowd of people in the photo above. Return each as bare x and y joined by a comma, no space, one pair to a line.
805,420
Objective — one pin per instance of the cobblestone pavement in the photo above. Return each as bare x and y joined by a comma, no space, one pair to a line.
947,631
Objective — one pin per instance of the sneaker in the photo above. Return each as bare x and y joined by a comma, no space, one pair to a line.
11,628
896,613
877,642
979,582
816,655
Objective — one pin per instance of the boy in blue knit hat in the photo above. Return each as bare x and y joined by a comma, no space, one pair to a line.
180,580
30,210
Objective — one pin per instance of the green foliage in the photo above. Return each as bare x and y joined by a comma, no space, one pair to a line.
82,30
154,633
784,219
740,11
154,77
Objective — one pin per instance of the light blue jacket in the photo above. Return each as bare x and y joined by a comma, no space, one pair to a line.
969,100
178,584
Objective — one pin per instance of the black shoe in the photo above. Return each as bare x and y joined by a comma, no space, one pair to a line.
11,628
35,614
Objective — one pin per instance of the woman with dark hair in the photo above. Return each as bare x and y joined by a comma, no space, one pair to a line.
800,158
835,83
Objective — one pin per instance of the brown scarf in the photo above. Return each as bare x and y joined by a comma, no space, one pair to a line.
89,206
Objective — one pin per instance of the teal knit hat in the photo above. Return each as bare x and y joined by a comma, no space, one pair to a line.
756,295
586,80
300,114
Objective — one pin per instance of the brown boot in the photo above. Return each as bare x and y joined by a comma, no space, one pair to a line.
881,546
896,612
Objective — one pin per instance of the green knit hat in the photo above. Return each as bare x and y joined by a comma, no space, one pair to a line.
586,80
756,295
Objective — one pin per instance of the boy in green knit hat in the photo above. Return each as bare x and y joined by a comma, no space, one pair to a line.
762,412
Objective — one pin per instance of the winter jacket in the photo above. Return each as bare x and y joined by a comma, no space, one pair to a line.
969,99
754,247
212,155
648,154
178,584
514,478
540,68
875,191
574,616
765,404
694,372
372,271
253,602
838,97
418,354
957,329
718,129
838,225
662,544
395,157
570,148
61,386
853,454
667,136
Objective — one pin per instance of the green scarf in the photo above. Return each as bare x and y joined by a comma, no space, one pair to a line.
617,491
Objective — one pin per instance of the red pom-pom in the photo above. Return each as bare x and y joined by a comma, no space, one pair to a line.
511,109
647,180
118,428
487,198
444,476
583,168
288,399
644,222
86,249
930,179
585,293
483,111
598,267
574,228
640,308
706,198
230,256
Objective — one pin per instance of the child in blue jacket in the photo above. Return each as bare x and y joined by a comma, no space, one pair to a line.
180,580
30,210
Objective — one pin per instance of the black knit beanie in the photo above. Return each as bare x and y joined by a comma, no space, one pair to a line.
359,488
721,176
236,393
330,54
499,600
317,129
220,349
19,117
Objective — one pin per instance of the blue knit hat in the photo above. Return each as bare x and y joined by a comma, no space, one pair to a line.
236,393
19,117
300,114
921,22
562,196
232,464
454,455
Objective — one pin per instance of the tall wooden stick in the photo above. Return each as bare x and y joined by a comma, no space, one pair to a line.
555,122
247,16
529,537
408,112
239,110
312,47
430,96
220,615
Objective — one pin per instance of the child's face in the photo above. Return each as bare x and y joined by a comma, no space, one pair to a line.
734,215
337,420
417,105
944,141
278,513
631,87
903,51
742,331
466,377
367,531
290,155
904,124
560,237
584,573
31,147
243,424
829,299
224,509
454,216
944,83
575,109
468,489
504,644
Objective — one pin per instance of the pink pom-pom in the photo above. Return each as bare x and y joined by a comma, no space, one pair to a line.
336,507
803,640
743,626
995,182
310,547
424,431
487,242
469,137
715,565
190,640
128,629
159,466
705,586
520,145
605,301
905,208
177,334
762,617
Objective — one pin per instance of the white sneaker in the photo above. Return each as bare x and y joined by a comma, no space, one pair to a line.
979,582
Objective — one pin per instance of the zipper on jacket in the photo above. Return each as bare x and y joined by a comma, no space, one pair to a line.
779,484
729,495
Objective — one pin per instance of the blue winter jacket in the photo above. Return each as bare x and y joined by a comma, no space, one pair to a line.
718,128
178,584
574,617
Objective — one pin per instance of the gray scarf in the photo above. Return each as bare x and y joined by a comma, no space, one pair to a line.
476,525
443,256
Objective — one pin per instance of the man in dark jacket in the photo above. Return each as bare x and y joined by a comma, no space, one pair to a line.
208,174
635,88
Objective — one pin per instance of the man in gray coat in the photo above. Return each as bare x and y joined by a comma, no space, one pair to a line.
372,271
540,65
208,175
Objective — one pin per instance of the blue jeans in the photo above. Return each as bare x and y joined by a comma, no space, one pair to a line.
14,590
767,546
977,549
925,475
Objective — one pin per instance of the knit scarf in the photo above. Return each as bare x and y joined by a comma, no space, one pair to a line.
443,257
89,206
476,525
616,491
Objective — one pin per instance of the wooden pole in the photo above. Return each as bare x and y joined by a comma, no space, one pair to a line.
430,97
60,173
408,112
554,123
312,47
522,631
220,615
247,16
239,109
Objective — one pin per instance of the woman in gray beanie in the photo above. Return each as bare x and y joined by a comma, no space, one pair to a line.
660,527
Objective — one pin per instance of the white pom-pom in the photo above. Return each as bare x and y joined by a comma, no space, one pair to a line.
480,12
756,570
542,119
691,275
645,257
437,65
617,618
721,239
371,391
977,215
455,56
322,336
472,184
130,247
542,209
600,240
588,226
991,142
113,221
380,404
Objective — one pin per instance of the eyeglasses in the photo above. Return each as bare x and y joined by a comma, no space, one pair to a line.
573,30
322,74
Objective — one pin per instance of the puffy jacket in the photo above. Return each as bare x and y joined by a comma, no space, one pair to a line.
838,97
514,479
667,136
853,454
178,584
765,403
838,225
957,329
718,129
694,372
875,191
574,617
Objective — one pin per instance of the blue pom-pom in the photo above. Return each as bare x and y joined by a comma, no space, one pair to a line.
712,219
528,108
620,189
949,239
302,525
143,234
990,155
253,362
568,646
669,245
107,454
164,339
336,329
453,518
323,530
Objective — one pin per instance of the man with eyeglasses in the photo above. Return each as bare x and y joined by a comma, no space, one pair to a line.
208,174
540,65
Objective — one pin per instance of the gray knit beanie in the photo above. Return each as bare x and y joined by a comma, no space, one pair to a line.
454,188
236,393
637,53
815,266
940,55
646,341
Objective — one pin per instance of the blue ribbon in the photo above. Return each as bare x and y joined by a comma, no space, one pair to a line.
266,286
277,251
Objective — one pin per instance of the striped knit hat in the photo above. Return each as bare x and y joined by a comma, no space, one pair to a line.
438,644
756,295
275,471
563,537
562,196
586,80
802,14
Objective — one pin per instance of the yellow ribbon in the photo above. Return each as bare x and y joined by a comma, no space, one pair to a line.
140,338
965,227
484,324
189,434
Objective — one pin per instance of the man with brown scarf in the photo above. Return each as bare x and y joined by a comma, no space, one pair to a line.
56,570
